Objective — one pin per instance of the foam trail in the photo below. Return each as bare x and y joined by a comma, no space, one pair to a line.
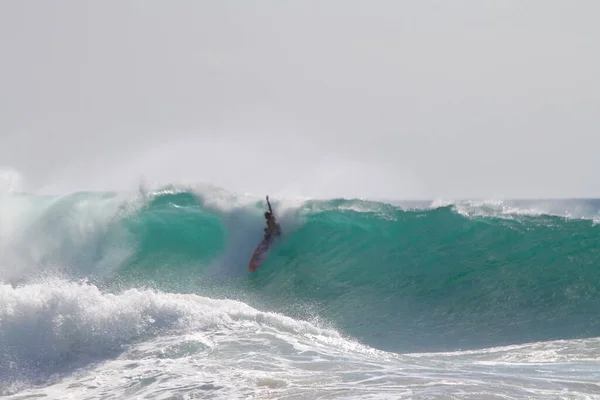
58,326
75,340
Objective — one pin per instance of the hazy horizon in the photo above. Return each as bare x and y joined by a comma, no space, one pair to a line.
411,100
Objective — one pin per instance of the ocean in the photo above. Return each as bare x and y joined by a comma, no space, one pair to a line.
112,295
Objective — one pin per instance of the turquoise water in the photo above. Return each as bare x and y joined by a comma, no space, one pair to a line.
397,278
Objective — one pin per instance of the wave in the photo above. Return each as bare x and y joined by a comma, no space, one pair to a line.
417,276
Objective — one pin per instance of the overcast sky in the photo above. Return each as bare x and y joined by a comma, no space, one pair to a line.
395,99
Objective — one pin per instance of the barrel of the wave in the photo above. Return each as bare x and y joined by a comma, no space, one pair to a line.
260,254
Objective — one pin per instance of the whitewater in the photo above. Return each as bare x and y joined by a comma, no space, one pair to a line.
147,294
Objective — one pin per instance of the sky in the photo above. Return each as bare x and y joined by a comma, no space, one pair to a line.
342,98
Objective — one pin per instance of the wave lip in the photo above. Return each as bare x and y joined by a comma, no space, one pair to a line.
572,209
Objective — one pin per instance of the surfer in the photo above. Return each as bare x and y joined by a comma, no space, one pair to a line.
272,225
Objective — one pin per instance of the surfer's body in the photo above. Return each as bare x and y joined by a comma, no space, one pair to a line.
273,227
271,231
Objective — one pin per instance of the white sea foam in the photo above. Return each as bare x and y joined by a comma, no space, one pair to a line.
74,341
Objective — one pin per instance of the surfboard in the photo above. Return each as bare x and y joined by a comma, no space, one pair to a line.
260,253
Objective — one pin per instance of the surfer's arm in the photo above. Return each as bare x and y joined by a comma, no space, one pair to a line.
269,204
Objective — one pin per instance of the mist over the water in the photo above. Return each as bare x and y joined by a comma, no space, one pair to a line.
394,100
